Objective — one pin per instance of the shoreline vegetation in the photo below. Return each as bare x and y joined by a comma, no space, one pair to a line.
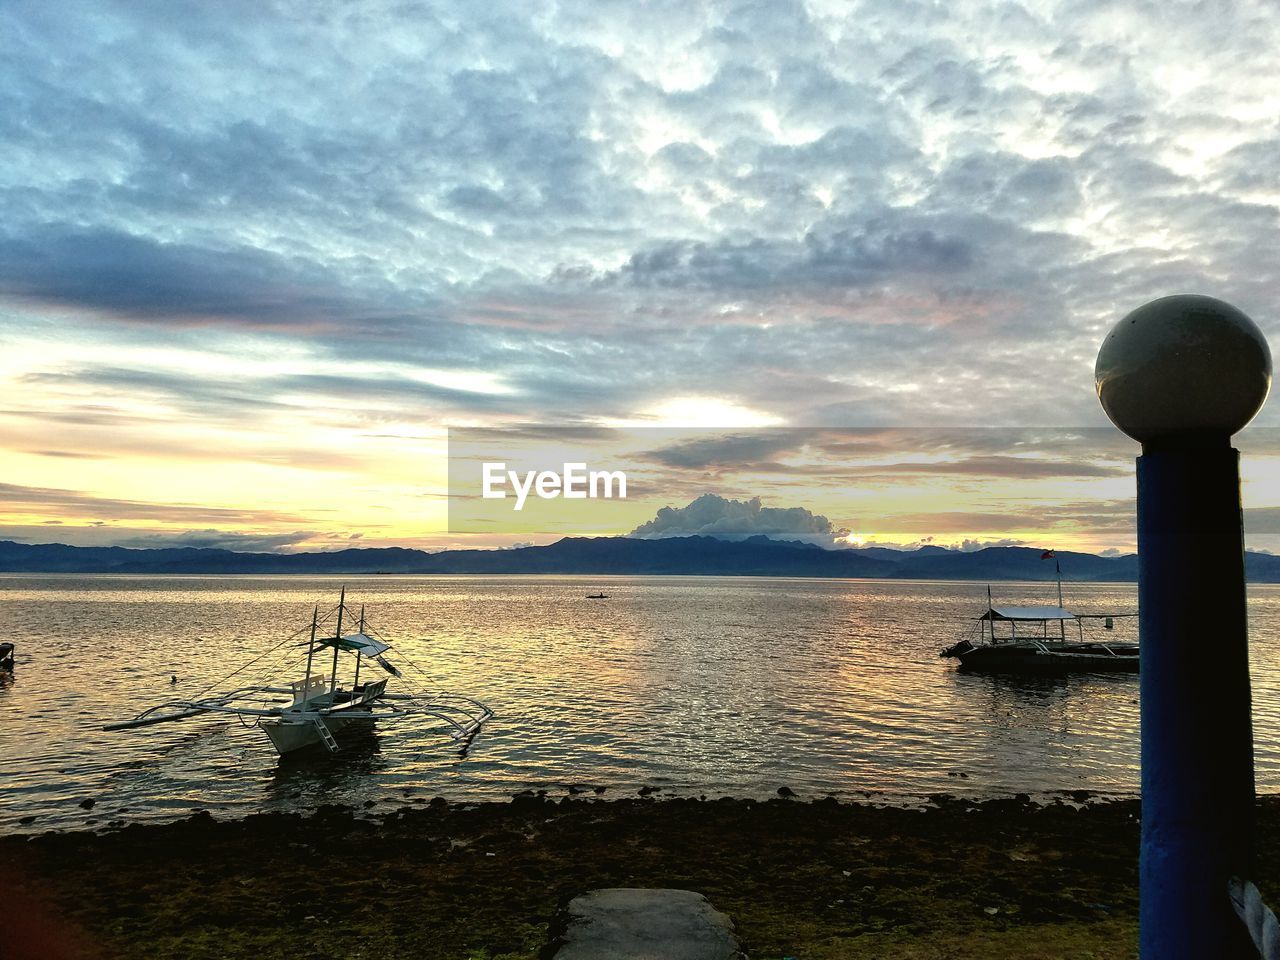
434,880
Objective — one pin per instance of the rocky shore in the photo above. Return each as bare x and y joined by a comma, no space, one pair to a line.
440,881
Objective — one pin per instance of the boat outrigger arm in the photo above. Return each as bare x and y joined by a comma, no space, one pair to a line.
311,711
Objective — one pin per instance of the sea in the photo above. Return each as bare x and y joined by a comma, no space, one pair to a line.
685,686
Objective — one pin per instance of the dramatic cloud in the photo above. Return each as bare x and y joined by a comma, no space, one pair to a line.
733,451
142,278
514,188
75,505
292,227
879,454
714,516
972,546
1073,519
220,539
1012,467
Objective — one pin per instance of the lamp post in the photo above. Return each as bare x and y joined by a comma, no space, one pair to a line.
1181,375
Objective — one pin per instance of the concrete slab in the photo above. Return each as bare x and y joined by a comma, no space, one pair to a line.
623,923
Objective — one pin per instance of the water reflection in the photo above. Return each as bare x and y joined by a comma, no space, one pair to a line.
1065,724
709,685
316,777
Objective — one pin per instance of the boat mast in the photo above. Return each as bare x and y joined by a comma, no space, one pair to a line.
1062,627
311,650
355,683
991,615
342,603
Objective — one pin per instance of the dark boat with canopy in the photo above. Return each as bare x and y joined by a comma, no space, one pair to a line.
1037,640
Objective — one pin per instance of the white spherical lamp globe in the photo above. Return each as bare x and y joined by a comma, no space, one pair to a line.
1183,366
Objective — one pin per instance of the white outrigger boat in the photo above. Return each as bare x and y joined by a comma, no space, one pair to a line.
314,710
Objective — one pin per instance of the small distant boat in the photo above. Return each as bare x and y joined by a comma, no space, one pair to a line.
1040,648
6,657
597,596
312,711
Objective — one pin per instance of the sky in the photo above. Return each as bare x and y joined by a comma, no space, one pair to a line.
258,259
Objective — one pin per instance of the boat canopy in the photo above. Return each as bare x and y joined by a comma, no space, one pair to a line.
1037,614
356,643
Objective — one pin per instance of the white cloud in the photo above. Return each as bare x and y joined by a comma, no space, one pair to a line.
802,209
714,516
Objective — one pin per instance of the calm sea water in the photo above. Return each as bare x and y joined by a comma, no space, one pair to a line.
697,685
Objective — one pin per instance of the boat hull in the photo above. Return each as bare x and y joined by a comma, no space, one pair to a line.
1041,658
289,736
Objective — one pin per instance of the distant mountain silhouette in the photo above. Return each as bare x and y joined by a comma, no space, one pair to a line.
757,556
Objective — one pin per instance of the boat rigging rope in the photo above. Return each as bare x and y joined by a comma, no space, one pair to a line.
1257,916
420,691
222,682
275,669
425,678
245,666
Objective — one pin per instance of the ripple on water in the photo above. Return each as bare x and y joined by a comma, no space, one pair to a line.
705,685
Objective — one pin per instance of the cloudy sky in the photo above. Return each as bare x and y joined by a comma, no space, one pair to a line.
256,258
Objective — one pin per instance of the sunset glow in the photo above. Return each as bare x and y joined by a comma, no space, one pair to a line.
234,315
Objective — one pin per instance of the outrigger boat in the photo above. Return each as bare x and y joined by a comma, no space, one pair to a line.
1044,650
313,711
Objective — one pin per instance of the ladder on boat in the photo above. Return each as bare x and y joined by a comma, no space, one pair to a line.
325,736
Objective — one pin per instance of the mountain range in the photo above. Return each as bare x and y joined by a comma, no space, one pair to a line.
686,556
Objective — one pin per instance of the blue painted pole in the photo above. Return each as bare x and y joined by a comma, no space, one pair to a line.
1182,375
1197,738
